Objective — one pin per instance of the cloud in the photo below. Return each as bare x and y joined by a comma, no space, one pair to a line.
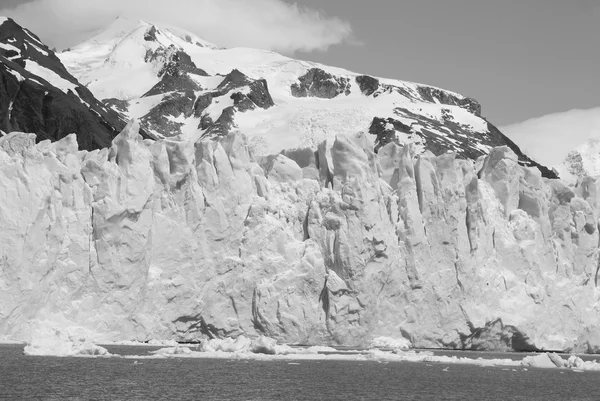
267,24
550,138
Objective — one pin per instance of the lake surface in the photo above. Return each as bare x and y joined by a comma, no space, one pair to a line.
54,378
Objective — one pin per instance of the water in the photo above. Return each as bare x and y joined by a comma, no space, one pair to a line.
52,378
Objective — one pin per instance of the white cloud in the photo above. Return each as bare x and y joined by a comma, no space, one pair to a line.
268,24
549,139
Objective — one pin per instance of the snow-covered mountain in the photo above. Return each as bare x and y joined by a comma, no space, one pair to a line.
567,142
394,222
38,94
182,87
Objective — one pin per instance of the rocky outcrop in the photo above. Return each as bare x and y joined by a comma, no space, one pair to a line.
38,95
169,83
172,61
185,241
181,101
370,86
431,94
319,83
443,135
247,94
252,93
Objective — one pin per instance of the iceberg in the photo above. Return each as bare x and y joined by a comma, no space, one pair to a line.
62,344
388,342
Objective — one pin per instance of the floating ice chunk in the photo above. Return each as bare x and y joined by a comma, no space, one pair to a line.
48,341
172,351
269,346
89,349
58,346
315,349
557,360
170,343
575,362
238,345
389,342
539,361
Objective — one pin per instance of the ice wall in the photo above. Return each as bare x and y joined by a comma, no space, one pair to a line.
171,240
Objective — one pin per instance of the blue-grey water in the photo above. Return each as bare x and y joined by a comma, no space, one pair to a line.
54,378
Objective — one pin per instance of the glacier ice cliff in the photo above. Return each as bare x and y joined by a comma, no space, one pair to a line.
180,240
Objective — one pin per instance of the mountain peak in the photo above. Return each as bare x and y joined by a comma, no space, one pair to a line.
123,28
39,95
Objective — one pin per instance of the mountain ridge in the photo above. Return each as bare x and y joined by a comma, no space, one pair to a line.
309,102
38,94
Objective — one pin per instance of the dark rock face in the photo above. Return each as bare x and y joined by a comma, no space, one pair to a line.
150,35
205,122
499,137
234,80
252,94
367,84
370,86
440,137
29,103
431,94
175,104
173,83
202,102
242,102
258,94
321,84
181,100
118,105
175,62
49,113
224,124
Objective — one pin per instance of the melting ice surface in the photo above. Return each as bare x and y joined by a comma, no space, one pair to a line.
264,348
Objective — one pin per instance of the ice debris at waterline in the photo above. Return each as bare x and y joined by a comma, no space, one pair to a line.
57,343
338,246
264,348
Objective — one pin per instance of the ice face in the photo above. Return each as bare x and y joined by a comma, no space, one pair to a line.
179,241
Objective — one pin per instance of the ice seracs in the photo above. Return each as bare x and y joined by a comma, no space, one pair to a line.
186,241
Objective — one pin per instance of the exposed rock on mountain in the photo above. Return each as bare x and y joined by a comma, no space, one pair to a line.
371,86
318,83
38,95
441,135
583,160
178,240
183,91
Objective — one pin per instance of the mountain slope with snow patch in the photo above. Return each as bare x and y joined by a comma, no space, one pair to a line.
39,95
174,85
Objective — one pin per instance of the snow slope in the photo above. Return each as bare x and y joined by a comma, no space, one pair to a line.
550,139
111,64
136,66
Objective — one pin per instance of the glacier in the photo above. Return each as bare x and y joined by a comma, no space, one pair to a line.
175,240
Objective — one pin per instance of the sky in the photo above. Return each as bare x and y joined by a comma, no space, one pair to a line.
519,58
